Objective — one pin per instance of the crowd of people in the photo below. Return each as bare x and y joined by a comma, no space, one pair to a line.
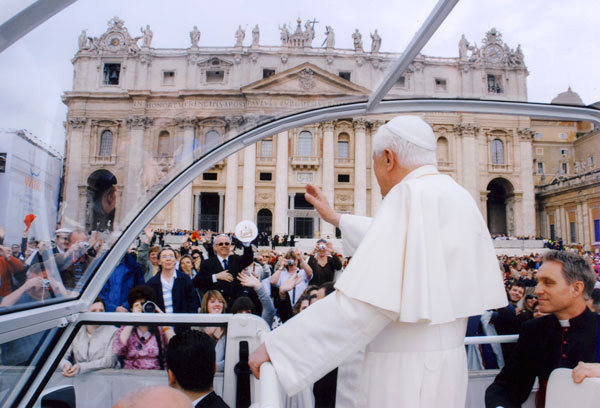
214,273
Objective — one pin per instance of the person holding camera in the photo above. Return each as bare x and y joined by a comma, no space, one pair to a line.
294,267
324,262
142,347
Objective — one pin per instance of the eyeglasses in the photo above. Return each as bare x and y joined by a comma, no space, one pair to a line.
223,244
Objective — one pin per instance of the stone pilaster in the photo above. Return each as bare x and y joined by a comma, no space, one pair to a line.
184,198
527,226
280,222
469,149
328,173
133,187
221,204
375,190
71,218
579,224
231,193
360,168
291,226
248,189
588,240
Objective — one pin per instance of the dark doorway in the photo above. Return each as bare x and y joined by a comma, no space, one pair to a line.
209,211
264,221
304,227
301,203
499,191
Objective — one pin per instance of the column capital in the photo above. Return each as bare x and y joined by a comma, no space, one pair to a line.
186,122
376,124
137,121
359,124
466,129
526,134
328,125
77,122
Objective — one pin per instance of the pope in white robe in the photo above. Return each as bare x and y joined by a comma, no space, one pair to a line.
419,269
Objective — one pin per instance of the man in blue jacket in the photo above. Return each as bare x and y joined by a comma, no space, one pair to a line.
125,276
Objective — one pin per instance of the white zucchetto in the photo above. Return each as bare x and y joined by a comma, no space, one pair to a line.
412,129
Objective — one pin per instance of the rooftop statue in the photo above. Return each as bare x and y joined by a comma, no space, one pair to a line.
330,37
147,36
240,34
83,40
357,38
195,37
255,35
375,42
463,48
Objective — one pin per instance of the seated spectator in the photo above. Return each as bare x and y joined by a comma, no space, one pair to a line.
10,268
196,259
214,302
174,289
91,348
186,265
154,397
526,313
293,259
142,347
192,367
324,262
505,319
125,277
565,337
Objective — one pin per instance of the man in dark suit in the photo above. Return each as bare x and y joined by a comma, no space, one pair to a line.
565,337
220,272
191,366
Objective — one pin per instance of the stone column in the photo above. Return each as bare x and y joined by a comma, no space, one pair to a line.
184,198
196,211
73,178
248,190
280,219
557,223
137,126
291,226
579,223
587,238
375,190
526,225
327,172
221,202
360,168
470,155
231,190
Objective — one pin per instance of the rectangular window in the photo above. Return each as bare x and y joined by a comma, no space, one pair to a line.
268,72
552,232
209,176
538,136
440,84
539,151
343,150
540,168
265,176
169,78
215,76
345,75
596,230
111,74
343,178
401,81
494,84
573,232
591,162
565,168
564,152
266,148
563,136
2,162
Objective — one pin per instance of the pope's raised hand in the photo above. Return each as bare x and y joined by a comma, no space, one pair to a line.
316,197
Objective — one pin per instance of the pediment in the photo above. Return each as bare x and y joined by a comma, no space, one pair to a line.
305,79
214,62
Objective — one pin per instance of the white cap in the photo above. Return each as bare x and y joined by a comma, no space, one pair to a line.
414,130
63,231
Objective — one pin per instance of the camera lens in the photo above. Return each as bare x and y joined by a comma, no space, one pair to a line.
149,307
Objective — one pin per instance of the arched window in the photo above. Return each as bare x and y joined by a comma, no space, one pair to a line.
305,144
164,149
212,139
343,146
106,142
497,151
442,150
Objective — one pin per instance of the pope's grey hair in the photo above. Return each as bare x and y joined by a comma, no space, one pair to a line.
409,154
574,268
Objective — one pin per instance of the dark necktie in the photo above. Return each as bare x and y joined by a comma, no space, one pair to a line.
225,264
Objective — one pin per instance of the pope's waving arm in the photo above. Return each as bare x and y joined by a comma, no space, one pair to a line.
353,227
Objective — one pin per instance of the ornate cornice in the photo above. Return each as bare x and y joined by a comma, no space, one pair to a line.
328,125
526,133
186,122
359,124
466,129
136,121
77,122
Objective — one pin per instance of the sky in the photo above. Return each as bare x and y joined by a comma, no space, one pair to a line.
559,40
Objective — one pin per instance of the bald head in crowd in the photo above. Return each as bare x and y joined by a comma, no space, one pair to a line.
154,397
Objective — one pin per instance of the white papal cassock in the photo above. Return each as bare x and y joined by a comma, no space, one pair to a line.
420,268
